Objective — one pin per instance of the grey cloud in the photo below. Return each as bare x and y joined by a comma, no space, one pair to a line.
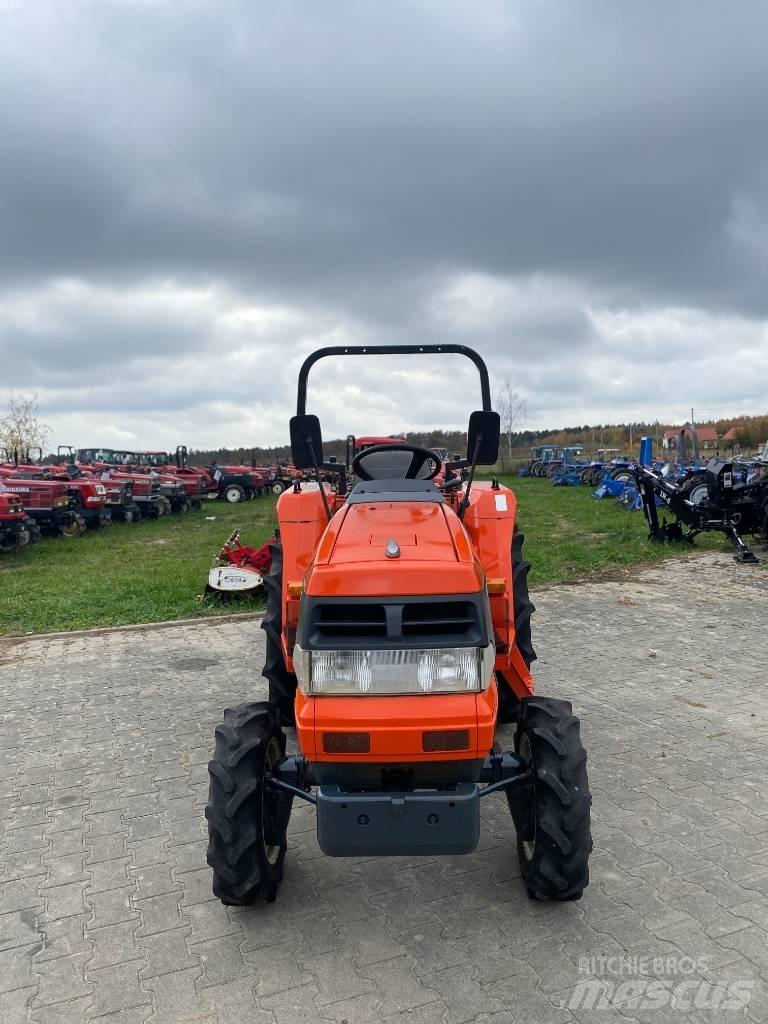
356,163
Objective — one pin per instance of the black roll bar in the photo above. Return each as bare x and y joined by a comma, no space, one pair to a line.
391,350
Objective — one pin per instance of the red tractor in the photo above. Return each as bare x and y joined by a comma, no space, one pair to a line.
111,468
235,483
14,531
118,493
48,505
397,636
89,497
184,489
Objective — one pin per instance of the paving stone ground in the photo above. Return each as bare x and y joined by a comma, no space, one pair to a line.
106,911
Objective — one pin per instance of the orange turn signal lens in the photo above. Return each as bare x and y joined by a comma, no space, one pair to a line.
295,589
496,586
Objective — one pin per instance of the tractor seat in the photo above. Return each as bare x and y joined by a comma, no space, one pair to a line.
397,489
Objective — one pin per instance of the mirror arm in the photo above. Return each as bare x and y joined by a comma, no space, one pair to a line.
464,503
323,495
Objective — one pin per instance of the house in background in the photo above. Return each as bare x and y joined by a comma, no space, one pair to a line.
730,440
707,438
669,441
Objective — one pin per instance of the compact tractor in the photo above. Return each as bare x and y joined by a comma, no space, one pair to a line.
48,505
111,467
14,529
236,483
119,503
397,636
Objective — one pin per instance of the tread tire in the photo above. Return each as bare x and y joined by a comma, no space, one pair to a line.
553,819
233,493
282,683
13,540
77,528
33,529
243,872
524,608
693,483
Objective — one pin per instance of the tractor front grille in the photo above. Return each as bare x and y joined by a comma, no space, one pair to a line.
350,621
455,618
403,622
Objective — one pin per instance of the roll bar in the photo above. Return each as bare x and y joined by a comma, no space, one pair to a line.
391,350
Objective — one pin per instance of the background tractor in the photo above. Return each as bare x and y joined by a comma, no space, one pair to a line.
397,635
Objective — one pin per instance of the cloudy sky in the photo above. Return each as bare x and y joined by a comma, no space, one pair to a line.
196,194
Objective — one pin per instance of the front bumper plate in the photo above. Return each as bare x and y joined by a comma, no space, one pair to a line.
391,824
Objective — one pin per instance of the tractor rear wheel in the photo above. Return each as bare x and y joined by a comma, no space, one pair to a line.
282,683
551,816
234,493
247,820
523,608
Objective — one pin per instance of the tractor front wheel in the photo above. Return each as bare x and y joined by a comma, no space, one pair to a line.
12,540
278,487
76,528
524,608
33,529
282,683
234,493
247,820
551,815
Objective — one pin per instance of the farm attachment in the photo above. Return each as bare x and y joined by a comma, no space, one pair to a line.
397,636
238,569
724,497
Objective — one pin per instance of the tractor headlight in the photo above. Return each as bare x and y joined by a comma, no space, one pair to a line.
393,672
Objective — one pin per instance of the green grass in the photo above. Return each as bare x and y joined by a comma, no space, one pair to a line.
571,537
156,571
128,573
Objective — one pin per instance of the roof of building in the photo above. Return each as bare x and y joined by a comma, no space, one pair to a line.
730,435
703,433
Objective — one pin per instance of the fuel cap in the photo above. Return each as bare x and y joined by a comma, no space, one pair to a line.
392,550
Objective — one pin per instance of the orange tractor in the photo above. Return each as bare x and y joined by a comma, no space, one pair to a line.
397,637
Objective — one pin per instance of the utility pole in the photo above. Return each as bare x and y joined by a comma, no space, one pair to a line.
692,419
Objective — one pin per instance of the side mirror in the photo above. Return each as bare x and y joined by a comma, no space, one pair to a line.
306,441
485,428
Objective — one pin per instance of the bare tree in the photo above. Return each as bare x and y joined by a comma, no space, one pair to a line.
512,409
21,427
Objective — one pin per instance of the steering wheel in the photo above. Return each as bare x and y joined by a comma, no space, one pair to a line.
419,457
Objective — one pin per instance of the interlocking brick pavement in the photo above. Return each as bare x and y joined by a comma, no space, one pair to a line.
106,911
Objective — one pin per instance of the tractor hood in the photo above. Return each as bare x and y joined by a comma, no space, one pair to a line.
399,547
